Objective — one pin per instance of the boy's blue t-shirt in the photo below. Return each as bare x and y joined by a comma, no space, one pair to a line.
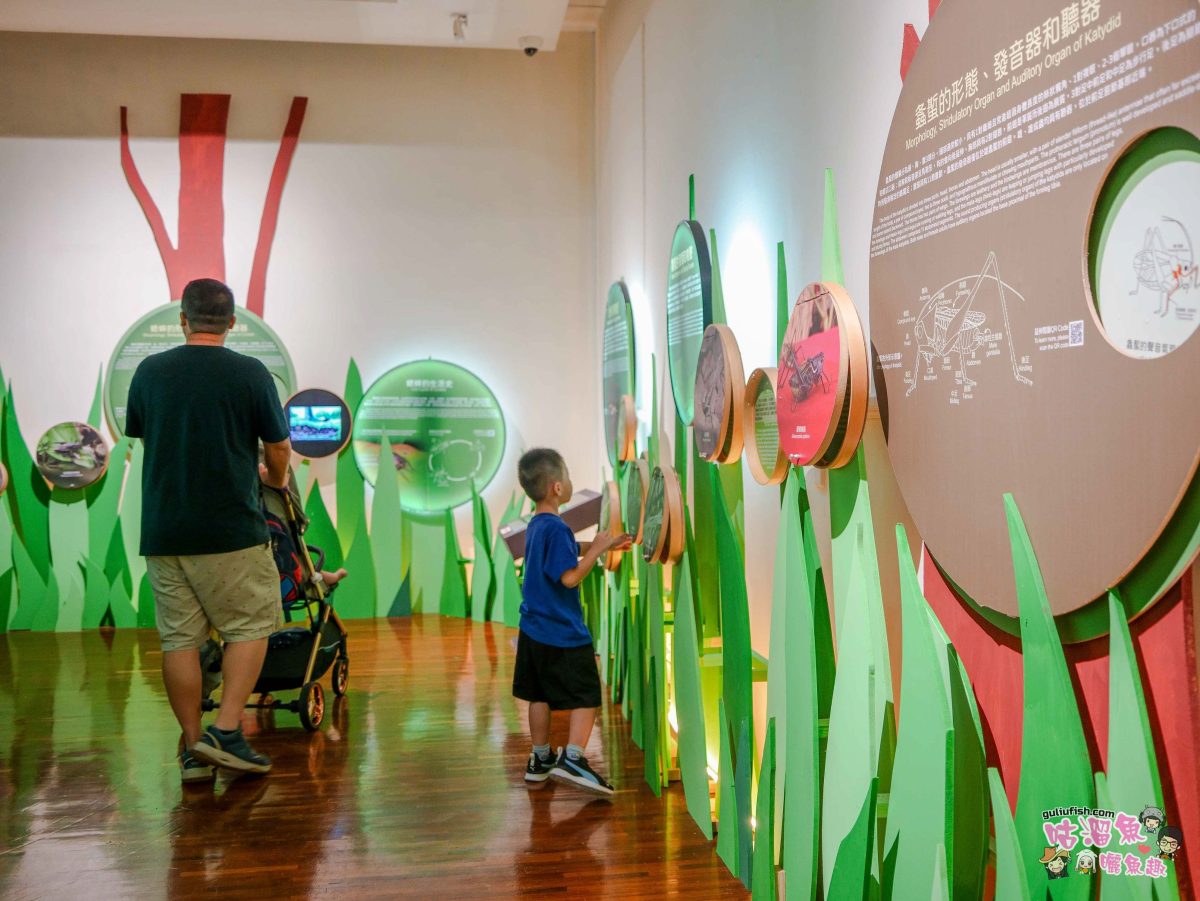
551,612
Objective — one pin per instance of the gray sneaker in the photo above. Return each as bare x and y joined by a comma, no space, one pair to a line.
577,772
192,770
229,750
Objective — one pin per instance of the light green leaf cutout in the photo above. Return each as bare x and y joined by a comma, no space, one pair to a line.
45,618
728,833
654,718
852,878
920,809
483,591
104,502
636,654
1132,780
764,886
356,595
1010,859
1051,718
68,549
387,531
31,587
689,703
321,532
743,775
801,796
123,614
735,621
350,487
28,497
8,594
95,415
504,572
6,536
131,520
95,601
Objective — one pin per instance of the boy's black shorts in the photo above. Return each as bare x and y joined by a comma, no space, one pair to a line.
564,678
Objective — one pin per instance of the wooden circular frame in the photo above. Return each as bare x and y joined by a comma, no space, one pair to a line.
858,389
627,429
673,515
612,505
749,409
347,429
729,434
100,475
641,472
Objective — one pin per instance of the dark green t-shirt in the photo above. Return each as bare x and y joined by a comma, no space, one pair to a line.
200,410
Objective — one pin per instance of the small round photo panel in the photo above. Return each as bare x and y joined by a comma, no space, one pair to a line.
319,423
637,486
718,396
763,454
656,523
72,455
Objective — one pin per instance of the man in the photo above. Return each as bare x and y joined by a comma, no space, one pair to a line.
201,410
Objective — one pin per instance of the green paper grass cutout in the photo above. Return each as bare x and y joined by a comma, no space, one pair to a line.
1132,780
454,577
351,494
104,502
506,607
95,415
131,526
802,772
735,621
655,719
28,496
95,600
852,870
357,596
8,593
45,618
147,615
689,702
743,770
1051,718
728,833
321,532
483,585
763,884
123,614
68,548
730,473
1010,859
387,534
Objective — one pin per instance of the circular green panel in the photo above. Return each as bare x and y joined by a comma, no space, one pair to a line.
689,312
445,429
159,330
766,426
631,507
618,353
656,513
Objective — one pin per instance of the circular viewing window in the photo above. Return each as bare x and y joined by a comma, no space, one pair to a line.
1142,263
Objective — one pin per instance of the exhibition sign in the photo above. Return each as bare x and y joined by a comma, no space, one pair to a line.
159,330
718,396
72,455
1032,296
637,486
619,367
822,392
663,526
319,423
444,428
764,455
689,311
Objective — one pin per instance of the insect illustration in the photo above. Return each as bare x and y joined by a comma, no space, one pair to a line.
1166,262
802,374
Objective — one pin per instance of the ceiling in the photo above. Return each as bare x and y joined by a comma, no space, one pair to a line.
490,23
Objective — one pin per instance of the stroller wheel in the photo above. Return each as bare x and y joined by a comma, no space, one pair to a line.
341,676
312,706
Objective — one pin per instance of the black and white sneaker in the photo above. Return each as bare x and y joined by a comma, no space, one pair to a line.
538,769
577,772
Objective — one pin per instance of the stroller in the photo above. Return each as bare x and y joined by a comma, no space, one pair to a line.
299,654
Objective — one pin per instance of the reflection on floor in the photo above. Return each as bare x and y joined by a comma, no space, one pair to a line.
412,789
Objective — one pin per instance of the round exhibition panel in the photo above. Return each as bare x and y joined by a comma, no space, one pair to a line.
689,311
676,531
3,478
72,455
718,396
821,383
763,454
319,422
627,429
610,521
655,523
619,366
1032,294
159,330
637,487
444,427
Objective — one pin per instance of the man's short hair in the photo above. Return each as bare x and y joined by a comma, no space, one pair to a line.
207,305
537,469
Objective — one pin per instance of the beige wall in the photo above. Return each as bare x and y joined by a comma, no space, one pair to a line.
750,98
441,203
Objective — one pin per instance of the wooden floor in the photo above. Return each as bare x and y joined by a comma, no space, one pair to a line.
413,788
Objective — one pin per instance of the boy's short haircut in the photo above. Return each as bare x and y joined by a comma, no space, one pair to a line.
537,469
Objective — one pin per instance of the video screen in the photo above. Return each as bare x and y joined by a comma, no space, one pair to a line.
315,423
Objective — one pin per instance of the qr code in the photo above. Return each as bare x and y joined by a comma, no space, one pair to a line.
1076,333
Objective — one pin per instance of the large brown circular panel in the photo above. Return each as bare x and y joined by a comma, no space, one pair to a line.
718,396
992,371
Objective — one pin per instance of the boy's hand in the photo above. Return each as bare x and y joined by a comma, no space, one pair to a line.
606,541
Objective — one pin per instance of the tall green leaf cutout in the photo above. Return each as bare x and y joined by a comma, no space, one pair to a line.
357,595
654,719
31,588
28,496
425,538
852,877
96,413
483,586
921,806
763,885
730,473
454,577
131,526
1132,779
735,620
68,549
689,702
506,608
802,795
1010,859
7,591
1062,778
104,502
351,494
851,761
387,530
728,833
96,594
321,532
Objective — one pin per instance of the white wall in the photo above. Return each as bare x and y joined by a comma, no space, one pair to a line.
440,203
756,98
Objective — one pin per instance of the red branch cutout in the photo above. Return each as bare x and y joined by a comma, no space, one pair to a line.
200,253
911,41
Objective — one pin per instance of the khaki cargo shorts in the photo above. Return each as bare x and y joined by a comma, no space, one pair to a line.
235,593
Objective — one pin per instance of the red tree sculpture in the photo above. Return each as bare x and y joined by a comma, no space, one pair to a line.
203,119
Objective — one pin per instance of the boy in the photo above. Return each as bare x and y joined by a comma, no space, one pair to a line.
556,663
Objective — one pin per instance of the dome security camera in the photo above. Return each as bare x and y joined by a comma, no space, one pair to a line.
530,44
